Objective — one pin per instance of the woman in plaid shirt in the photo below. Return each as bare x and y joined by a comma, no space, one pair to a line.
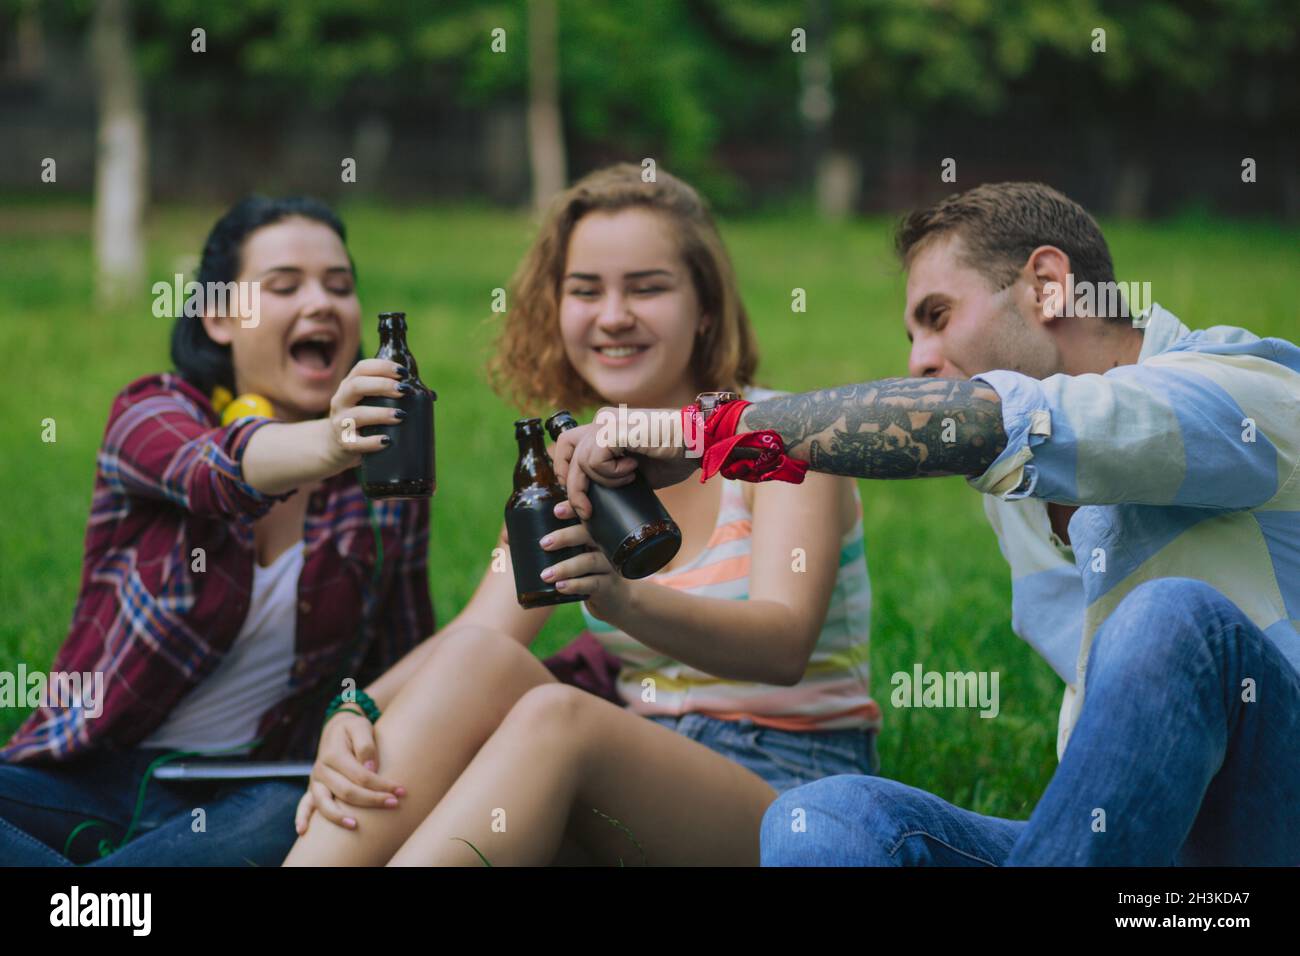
230,581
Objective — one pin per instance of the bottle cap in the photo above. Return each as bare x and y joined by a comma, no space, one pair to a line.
560,422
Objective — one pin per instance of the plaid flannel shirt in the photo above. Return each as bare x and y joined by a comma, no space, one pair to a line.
155,615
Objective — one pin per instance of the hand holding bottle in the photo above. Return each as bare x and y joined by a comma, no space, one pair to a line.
404,466
283,456
598,453
589,575
628,523
345,443
530,516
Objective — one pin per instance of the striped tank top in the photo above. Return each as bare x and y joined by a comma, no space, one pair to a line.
834,693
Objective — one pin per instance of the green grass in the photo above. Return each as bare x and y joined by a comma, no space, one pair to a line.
941,588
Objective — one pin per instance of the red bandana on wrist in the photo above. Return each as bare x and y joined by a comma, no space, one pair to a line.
721,440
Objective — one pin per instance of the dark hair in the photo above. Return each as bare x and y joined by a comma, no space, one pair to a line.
1000,224
199,360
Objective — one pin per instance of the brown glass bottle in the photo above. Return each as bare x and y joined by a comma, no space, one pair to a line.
405,469
629,523
530,515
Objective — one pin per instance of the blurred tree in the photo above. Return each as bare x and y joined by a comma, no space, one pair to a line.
28,53
902,61
120,163
673,79
797,35
713,90
545,128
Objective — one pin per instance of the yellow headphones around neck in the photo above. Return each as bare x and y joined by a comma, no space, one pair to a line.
231,408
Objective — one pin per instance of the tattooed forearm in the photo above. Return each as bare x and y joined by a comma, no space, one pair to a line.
893,428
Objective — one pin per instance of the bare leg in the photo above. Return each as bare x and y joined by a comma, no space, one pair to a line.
561,756
426,737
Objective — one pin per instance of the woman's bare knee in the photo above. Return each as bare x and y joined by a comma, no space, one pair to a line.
551,705
462,692
471,649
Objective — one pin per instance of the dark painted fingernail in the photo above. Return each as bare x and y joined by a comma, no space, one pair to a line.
385,441
399,413
404,388
402,370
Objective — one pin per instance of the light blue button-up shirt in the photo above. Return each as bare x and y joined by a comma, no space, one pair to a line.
1185,464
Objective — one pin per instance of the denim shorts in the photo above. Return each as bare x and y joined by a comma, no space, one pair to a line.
783,758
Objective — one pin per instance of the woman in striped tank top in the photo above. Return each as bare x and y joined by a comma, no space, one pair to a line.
741,667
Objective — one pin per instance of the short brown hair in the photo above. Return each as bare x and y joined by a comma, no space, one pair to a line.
530,366
1000,224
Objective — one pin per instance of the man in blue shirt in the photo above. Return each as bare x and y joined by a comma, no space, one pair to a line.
1144,483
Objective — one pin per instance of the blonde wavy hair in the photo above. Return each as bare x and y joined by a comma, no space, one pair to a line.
530,366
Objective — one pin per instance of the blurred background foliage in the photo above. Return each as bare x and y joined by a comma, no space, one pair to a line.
701,84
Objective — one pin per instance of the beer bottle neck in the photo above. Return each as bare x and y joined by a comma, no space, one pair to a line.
534,465
392,346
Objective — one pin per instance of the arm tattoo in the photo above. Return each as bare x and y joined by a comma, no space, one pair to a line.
892,428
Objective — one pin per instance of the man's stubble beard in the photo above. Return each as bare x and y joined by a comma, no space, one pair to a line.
1021,346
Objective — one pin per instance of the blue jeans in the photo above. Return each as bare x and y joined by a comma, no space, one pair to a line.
243,823
783,758
1166,765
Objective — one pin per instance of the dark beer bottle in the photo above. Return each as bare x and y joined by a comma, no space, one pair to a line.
629,523
530,516
405,468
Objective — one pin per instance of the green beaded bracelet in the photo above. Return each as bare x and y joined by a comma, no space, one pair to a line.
360,699
345,709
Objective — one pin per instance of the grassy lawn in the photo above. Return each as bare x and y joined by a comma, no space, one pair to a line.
942,593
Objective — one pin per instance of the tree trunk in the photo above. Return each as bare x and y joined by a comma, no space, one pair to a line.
825,171
545,129
1130,198
839,176
30,62
121,157
371,143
